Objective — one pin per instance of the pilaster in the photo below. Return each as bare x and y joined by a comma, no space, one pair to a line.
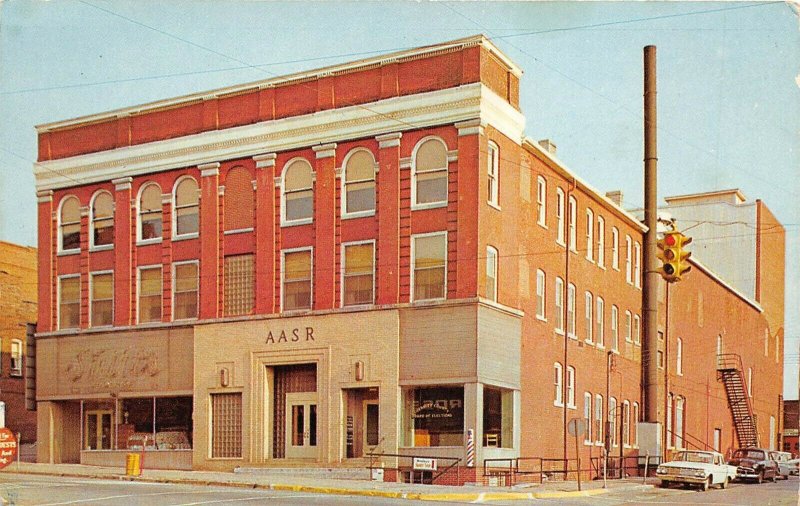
265,233
209,240
388,209
123,244
46,253
324,226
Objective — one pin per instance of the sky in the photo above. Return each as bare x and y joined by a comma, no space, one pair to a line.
728,105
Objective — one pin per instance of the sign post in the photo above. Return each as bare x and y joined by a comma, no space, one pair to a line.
577,428
8,447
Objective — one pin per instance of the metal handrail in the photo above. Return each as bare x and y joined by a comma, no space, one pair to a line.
454,463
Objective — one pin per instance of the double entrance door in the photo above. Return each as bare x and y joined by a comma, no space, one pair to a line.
97,430
301,425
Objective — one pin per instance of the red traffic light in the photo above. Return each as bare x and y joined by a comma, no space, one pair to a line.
669,240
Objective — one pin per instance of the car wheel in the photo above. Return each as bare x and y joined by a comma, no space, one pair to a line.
760,478
774,478
724,483
706,484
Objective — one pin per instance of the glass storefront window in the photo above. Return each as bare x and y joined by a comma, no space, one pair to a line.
434,416
498,417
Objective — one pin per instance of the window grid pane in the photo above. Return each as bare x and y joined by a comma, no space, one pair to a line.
69,303
297,280
239,285
185,291
226,425
358,274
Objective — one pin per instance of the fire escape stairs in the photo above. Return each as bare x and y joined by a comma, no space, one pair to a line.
730,373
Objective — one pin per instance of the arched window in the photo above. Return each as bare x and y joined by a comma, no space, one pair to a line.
150,212
70,224
238,200
429,186
359,183
102,223
187,222
298,194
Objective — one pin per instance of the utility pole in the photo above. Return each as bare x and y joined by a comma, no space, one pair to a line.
654,387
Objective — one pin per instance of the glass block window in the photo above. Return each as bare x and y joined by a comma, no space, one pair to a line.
239,285
226,426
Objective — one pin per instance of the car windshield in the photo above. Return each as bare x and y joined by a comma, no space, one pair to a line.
705,458
749,454
779,457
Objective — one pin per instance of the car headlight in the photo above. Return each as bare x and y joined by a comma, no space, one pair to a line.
700,474
661,470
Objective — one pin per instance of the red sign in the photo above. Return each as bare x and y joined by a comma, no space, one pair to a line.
8,447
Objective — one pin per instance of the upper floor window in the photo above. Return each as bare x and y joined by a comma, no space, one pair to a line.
239,200
626,423
637,265
69,237
298,193
102,299
635,426
612,420
571,311
239,279
601,241
540,297
571,387
358,284
637,330
679,421
589,235
429,261
187,222
600,316
589,309
185,290
297,282
359,183
679,356
558,398
102,220
628,327
149,307
560,216
573,218
614,328
429,185
541,201
559,305
150,212
493,174
491,273
587,417
749,381
615,248
69,302
628,260
598,419
16,357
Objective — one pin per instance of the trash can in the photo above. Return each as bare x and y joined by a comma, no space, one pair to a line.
133,465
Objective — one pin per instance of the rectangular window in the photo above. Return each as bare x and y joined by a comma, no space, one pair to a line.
626,423
589,235
358,283
614,328
102,301
434,416
589,308
184,303
635,426
679,422
226,426
558,399
541,201
239,285
615,248
491,273
571,311
296,292
637,331
628,327
493,174
429,270
571,387
612,420
150,423
670,435
540,297
637,266
587,417
559,305
601,241
69,302
560,216
600,316
628,260
16,357
598,419
150,294
573,218
498,417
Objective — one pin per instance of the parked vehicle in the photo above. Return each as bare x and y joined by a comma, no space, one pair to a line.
784,468
754,464
695,467
794,466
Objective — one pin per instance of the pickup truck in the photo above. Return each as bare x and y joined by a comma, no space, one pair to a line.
696,467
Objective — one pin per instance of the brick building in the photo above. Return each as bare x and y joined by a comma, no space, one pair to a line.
18,293
791,424
366,257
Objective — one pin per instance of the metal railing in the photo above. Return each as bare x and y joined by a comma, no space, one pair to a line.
435,473
626,467
536,470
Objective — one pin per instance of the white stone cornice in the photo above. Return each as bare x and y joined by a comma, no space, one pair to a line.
470,127
84,211
44,196
405,163
435,108
122,183
265,160
389,140
277,181
452,156
220,191
209,169
338,172
325,150
166,198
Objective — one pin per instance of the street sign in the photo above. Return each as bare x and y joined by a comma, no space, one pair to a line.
576,427
424,464
8,447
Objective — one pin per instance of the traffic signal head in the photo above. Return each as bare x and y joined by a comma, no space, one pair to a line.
673,257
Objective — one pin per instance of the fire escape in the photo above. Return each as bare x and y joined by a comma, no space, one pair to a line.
729,371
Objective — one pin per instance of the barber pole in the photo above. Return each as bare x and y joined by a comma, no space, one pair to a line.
470,448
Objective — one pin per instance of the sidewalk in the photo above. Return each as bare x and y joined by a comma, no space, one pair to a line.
549,490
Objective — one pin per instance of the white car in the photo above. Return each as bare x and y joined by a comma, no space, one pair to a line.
695,467
785,469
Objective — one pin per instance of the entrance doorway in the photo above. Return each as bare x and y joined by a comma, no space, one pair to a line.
362,421
301,426
97,431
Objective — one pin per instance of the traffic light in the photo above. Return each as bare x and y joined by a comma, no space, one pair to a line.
674,259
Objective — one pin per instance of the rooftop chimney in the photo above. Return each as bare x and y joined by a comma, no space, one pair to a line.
548,145
615,196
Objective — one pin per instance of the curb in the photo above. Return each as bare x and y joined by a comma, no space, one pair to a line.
475,497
